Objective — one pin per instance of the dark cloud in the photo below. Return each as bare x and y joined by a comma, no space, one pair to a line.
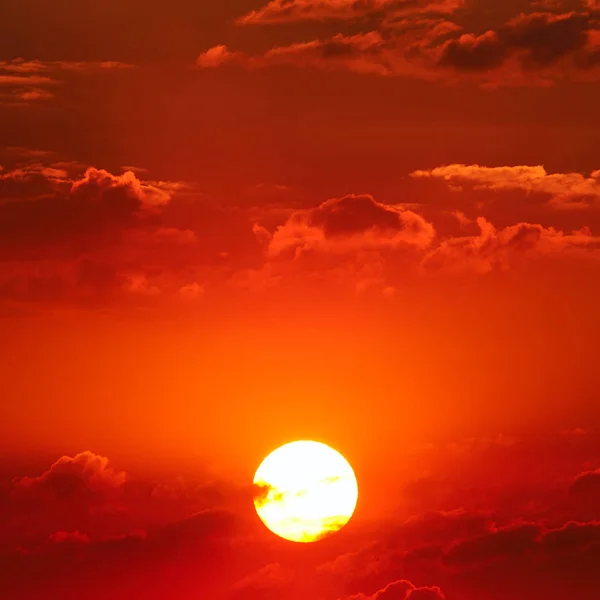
534,48
68,475
268,582
501,543
403,590
23,82
474,53
293,11
96,237
584,494
84,526
501,249
357,220
572,536
45,210
540,39
84,516
586,486
444,526
85,496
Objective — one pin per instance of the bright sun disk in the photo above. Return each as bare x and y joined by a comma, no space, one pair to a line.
305,491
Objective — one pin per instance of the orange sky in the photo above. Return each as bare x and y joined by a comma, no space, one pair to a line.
228,225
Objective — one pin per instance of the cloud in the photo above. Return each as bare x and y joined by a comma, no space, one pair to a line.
85,500
20,65
512,541
499,543
25,80
76,235
496,249
539,40
75,494
349,223
361,53
566,190
34,80
445,526
47,207
69,475
514,549
85,527
412,39
191,291
365,53
168,534
292,11
216,56
402,590
268,582
202,525
67,235
584,491
571,537
61,537
346,243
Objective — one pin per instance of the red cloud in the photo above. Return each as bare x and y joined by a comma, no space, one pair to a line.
532,49
101,236
62,537
84,527
84,499
584,492
403,590
67,476
74,494
499,543
498,250
361,53
539,39
29,80
215,57
25,80
567,190
268,582
49,208
291,11
348,242
341,225
462,551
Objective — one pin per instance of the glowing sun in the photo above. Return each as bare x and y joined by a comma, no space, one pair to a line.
305,491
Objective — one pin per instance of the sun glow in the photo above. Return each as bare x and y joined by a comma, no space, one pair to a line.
305,491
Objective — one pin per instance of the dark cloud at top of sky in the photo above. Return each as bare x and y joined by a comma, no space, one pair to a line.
547,44
543,39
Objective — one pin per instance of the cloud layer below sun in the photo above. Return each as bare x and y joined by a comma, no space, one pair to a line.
453,531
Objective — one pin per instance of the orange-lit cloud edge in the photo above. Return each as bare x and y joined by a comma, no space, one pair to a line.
96,238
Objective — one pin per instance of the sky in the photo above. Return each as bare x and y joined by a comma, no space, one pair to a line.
225,226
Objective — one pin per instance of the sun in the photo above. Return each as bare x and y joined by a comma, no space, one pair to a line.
305,491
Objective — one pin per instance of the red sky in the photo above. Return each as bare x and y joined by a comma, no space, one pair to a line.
229,225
